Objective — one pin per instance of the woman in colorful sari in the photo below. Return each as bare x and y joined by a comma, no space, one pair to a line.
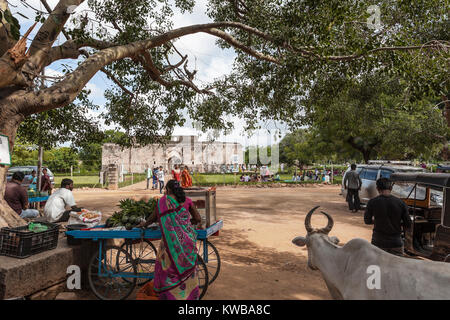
176,172
186,180
175,268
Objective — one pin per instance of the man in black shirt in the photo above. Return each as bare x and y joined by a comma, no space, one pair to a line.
387,213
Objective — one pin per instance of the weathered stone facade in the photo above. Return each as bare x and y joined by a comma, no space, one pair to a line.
199,156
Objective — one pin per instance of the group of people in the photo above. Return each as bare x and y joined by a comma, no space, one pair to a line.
258,178
157,175
17,197
387,213
54,208
175,268
316,175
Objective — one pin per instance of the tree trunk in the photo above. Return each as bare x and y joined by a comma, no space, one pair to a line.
366,155
445,154
9,123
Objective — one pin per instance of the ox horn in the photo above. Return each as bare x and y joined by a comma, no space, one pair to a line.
329,226
308,226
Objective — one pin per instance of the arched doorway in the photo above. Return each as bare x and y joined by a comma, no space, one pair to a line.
174,158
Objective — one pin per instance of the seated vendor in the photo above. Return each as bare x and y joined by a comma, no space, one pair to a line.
17,198
33,181
55,208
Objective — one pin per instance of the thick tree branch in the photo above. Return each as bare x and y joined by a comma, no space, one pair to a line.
74,82
52,26
12,61
155,74
70,49
6,39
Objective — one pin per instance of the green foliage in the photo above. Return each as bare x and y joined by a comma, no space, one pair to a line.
61,159
71,123
13,23
297,149
24,154
91,153
307,30
132,212
263,154
315,43
372,117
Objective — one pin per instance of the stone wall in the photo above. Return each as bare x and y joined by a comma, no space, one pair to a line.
187,150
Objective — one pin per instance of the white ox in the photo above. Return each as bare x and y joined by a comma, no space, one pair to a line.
359,270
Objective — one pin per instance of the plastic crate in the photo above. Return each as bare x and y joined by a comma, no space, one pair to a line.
21,243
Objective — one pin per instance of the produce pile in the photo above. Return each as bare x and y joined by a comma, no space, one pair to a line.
132,213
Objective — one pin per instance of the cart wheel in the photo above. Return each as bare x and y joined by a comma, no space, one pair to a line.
144,255
212,260
108,284
202,273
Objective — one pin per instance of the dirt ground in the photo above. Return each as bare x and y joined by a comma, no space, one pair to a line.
259,260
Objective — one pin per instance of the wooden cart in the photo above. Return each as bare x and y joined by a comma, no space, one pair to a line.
205,202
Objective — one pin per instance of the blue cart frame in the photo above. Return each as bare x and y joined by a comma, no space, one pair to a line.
140,234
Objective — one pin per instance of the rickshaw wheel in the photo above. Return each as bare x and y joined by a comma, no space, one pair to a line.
144,255
203,278
107,285
213,261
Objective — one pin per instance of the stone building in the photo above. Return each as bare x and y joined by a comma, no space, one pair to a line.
199,156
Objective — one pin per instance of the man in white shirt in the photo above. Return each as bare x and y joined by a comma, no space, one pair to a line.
55,208
149,176
160,176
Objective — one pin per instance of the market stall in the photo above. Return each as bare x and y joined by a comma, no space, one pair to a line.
115,271
35,197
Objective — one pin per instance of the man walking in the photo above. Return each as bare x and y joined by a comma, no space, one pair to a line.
388,214
353,186
149,176
161,179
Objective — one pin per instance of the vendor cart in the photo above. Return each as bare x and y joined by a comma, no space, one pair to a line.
114,272
205,202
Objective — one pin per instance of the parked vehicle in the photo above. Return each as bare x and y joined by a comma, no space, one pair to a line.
443,168
428,200
369,173
27,171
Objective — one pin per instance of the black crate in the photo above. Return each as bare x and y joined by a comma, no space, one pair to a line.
21,243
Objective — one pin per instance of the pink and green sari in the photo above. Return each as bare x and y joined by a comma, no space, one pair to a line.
175,267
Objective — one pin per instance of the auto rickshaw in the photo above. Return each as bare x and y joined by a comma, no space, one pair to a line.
428,198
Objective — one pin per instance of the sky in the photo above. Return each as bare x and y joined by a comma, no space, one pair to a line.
210,61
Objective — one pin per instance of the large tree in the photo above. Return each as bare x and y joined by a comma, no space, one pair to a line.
370,115
91,152
282,47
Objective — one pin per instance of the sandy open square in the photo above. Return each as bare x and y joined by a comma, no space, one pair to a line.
259,260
